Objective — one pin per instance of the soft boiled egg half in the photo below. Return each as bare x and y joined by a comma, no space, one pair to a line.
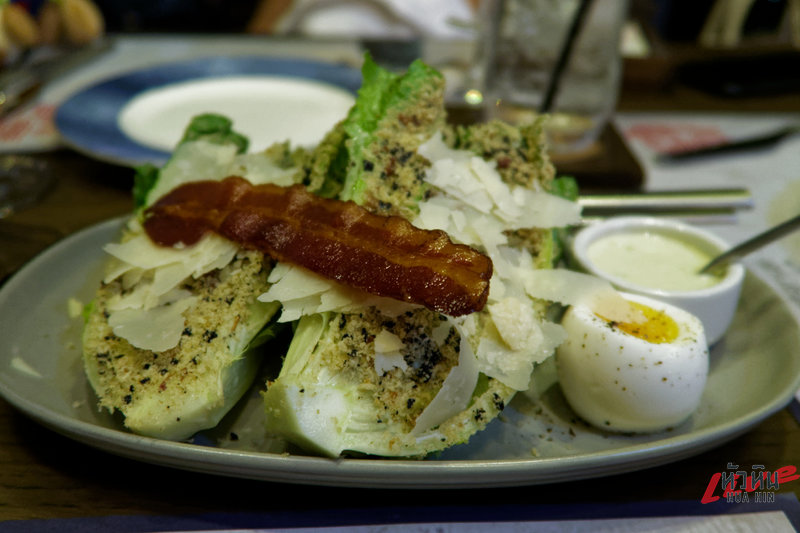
636,377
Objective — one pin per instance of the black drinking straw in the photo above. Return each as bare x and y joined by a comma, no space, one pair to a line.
564,55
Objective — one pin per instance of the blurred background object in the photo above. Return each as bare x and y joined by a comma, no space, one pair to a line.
387,19
661,52
311,18
561,58
727,23
179,16
714,54
26,25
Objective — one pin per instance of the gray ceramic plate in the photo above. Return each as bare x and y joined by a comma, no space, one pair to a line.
755,371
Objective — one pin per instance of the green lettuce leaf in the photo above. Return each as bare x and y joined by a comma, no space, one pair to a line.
144,180
382,94
565,187
216,129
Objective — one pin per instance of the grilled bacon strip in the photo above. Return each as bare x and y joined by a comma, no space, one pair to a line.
382,255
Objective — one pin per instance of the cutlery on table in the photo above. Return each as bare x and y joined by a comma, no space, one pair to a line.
698,206
765,140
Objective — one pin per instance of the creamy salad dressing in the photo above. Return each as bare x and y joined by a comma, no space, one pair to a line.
653,260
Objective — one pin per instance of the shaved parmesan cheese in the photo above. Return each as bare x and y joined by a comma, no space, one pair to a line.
501,194
303,292
515,323
461,222
148,313
158,328
514,342
292,283
294,309
513,367
475,207
388,354
167,268
575,288
131,277
212,251
435,149
552,336
496,360
544,210
436,214
509,265
476,183
456,391
457,178
385,362
387,342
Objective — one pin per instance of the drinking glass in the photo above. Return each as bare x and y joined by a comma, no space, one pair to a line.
560,57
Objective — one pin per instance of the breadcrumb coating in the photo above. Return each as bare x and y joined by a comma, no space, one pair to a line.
144,385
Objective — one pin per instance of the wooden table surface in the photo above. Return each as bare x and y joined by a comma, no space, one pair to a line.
45,475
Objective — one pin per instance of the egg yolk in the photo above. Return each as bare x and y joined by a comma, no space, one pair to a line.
657,327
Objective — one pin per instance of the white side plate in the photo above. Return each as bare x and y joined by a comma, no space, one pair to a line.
266,109
138,117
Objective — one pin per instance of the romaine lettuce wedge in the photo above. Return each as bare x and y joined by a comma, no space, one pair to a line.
336,395
392,116
171,338
373,381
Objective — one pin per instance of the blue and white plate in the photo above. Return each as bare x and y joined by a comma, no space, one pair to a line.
139,117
